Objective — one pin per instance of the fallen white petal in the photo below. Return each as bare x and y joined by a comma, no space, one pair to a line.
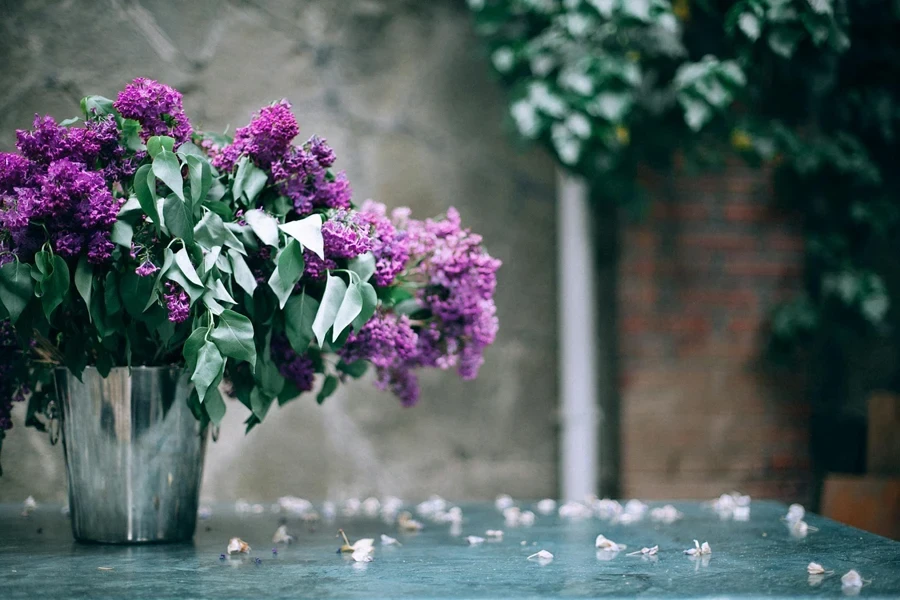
603,543
371,506
281,536
526,518
474,540
406,523
606,508
645,551
204,513
799,529
387,540
815,569
362,555
635,507
852,579
541,556
494,533
796,512
364,544
574,510
666,514
741,513
295,505
546,506
503,502
237,545
329,510
352,507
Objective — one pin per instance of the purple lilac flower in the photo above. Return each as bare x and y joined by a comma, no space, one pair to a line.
15,171
69,244
320,149
460,281
146,269
388,243
385,340
100,248
302,175
298,369
266,139
157,107
345,235
177,303
403,383
314,267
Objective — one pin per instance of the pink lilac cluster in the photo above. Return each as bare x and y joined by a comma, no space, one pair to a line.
460,279
10,358
157,107
53,192
298,369
299,172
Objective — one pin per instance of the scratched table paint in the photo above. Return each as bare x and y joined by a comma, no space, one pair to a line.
756,558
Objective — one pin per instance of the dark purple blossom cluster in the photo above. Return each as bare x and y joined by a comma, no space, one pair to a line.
388,243
346,235
53,189
157,107
177,303
299,172
298,369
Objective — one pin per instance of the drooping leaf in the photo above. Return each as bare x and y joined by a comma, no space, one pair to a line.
363,265
55,285
264,226
84,279
308,232
214,405
135,291
200,176
187,267
328,388
335,289
370,303
192,347
287,273
260,403
350,308
209,370
299,314
16,287
209,300
242,273
221,293
167,168
145,190
355,369
97,106
122,234
209,232
234,337
178,219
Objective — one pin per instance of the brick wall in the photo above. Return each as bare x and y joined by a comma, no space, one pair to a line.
701,413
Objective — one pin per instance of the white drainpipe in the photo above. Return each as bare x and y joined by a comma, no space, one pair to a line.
577,341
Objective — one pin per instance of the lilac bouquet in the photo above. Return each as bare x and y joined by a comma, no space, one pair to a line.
128,238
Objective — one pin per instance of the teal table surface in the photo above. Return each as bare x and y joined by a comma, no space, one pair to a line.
754,558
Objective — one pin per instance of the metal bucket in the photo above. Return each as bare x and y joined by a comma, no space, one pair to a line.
134,454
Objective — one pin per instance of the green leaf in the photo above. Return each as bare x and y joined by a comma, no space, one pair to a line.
187,267
287,273
260,403
69,121
192,347
55,285
157,143
112,302
135,291
212,304
220,293
308,232
130,206
370,303
16,288
97,106
210,259
328,388
355,369
200,176
214,405
178,219
350,308
242,273
248,181
145,190
234,337
363,265
264,226
335,289
131,132
299,314
122,234
210,231
209,370
237,186
84,279
269,379
168,169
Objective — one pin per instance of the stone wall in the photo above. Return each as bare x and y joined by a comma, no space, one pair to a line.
401,89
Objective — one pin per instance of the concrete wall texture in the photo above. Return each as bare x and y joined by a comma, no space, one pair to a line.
402,90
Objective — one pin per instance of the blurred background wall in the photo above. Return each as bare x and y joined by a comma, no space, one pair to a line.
401,89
